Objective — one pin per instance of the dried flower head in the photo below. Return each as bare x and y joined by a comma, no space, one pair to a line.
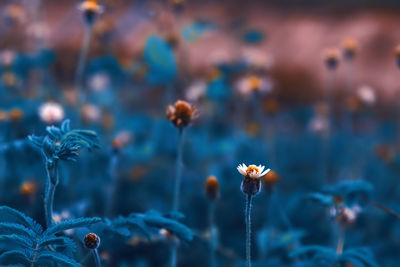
90,113
212,188
252,174
14,14
271,106
51,112
332,58
350,47
15,114
3,115
10,79
122,139
181,114
91,9
28,188
92,241
269,180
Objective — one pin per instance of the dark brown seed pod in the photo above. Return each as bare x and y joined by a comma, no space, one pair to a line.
250,186
92,241
212,188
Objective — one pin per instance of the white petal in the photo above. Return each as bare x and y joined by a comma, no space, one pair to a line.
241,171
260,168
265,172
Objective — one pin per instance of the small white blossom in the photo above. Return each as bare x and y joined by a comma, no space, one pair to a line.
253,171
51,112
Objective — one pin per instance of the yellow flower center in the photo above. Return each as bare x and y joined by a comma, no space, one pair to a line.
252,169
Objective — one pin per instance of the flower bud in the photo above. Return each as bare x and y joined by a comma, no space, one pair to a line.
250,186
332,58
349,48
92,241
212,188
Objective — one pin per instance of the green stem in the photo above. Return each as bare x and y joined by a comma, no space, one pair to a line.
96,258
248,229
52,182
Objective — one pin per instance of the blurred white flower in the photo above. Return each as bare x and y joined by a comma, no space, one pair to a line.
319,124
38,30
257,58
51,112
252,83
196,90
90,113
99,81
366,94
7,57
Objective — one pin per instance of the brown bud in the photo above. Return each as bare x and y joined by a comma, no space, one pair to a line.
212,188
332,58
269,180
350,47
181,113
15,114
92,241
27,188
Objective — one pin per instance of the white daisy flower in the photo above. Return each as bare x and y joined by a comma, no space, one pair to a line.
51,112
252,171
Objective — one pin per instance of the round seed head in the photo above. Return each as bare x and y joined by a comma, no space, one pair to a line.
332,58
269,180
27,188
350,47
15,114
212,188
181,114
92,241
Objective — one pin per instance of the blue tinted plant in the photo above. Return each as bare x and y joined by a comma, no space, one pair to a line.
24,242
60,144
181,114
251,186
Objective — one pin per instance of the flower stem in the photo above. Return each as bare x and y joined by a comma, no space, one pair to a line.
175,206
52,182
248,229
179,165
80,70
96,258
213,237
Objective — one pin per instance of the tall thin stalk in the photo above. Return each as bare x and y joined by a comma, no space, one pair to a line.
248,229
96,257
178,178
52,182
80,70
213,241
179,165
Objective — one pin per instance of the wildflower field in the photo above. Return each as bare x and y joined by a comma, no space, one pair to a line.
199,133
